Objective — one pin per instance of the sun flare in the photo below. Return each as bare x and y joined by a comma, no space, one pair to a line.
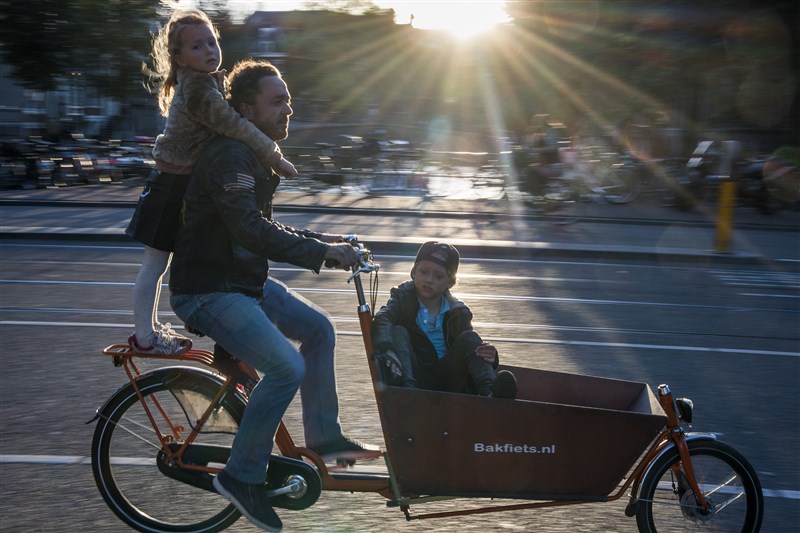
463,19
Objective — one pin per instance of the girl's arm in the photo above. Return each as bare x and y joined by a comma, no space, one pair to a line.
207,106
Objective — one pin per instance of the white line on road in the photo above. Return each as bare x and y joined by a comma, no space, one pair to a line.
704,349
136,461
465,296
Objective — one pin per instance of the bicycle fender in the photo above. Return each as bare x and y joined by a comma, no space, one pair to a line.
667,448
194,375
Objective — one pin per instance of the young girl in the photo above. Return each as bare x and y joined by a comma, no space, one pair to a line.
424,336
186,56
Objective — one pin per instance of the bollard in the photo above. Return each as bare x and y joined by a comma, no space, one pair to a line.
727,197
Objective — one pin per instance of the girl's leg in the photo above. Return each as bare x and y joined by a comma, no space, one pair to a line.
146,291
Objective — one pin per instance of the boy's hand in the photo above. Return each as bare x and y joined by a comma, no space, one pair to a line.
391,363
286,169
487,352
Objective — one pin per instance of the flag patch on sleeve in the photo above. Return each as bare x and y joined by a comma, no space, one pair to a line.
244,182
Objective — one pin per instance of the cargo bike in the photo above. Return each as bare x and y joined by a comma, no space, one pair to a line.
566,439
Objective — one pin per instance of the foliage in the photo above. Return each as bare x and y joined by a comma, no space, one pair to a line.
598,63
100,42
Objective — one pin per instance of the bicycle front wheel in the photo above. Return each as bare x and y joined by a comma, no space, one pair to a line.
619,184
727,480
135,480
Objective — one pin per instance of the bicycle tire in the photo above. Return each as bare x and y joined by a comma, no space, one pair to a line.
729,483
125,449
563,203
620,185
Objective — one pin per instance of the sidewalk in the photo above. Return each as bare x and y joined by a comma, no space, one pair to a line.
477,227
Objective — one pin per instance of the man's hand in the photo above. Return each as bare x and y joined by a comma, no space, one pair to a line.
487,352
341,255
330,238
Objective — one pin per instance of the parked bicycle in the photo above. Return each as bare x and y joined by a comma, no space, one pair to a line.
567,439
562,190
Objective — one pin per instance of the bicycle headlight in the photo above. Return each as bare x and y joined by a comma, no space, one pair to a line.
685,408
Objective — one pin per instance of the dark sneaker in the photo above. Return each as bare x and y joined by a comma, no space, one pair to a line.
251,499
505,385
346,451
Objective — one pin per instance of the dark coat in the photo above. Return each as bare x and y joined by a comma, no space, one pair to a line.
227,234
402,309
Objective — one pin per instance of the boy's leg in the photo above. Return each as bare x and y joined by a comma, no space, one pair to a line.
237,323
401,343
479,369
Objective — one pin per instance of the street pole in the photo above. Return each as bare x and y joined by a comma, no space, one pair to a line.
727,197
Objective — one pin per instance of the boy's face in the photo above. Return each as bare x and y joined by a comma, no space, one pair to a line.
430,279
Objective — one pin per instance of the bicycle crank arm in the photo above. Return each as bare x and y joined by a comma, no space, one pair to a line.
294,485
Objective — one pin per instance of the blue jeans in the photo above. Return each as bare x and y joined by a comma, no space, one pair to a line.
260,332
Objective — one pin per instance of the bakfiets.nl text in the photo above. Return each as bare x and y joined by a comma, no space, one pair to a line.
483,447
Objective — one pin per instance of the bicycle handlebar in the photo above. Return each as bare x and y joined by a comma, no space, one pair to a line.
365,263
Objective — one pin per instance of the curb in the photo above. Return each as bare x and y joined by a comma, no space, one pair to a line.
490,249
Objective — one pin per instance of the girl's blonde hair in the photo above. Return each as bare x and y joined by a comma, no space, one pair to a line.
166,45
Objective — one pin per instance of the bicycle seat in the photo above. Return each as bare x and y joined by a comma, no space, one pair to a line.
229,365
194,331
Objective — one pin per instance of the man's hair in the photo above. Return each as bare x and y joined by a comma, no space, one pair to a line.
243,80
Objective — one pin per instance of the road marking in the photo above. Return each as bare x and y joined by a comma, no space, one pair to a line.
668,347
795,296
464,296
136,461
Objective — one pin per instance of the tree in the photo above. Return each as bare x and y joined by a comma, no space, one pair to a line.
104,42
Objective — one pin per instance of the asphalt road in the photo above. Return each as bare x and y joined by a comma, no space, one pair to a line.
724,334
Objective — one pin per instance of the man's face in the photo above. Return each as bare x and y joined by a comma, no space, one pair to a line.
271,109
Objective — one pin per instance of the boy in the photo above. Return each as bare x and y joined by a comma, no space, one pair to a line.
423,335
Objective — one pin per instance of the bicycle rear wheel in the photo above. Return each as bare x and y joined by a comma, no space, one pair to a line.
137,484
729,484
563,203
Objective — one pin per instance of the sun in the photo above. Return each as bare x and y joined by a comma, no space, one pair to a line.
463,19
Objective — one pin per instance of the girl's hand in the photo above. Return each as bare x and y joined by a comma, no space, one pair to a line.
487,352
220,76
286,169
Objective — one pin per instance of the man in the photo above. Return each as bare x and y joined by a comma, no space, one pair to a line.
220,286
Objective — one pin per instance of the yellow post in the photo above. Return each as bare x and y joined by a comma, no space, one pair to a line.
727,195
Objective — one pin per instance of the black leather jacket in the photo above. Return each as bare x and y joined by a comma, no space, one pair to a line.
227,232
402,309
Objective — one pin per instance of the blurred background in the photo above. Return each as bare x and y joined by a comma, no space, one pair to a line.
647,79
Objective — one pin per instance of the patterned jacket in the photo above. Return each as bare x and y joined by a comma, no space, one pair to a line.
198,113
227,234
